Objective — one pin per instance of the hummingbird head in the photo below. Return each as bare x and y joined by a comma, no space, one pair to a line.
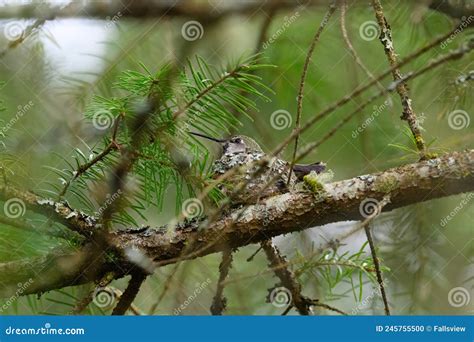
234,144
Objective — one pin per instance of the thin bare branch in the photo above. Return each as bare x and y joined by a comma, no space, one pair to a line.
299,106
377,268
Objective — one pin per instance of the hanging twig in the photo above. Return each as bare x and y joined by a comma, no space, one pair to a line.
299,106
138,277
287,278
219,302
377,268
351,48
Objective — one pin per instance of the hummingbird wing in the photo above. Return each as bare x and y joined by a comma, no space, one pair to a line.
301,170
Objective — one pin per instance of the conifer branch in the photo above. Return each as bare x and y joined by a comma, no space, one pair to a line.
402,89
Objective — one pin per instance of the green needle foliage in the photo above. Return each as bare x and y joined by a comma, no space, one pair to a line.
201,97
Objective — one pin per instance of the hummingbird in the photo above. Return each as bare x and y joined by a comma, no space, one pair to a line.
240,150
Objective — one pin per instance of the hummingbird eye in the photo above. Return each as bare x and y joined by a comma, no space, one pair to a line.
238,140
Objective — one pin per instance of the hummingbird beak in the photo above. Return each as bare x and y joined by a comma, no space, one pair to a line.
207,137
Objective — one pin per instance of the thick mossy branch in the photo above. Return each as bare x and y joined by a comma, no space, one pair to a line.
448,175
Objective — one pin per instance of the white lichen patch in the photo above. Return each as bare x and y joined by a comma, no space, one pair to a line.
71,215
279,203
45,202
424,171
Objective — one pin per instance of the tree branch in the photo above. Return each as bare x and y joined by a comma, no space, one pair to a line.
287,278
448,175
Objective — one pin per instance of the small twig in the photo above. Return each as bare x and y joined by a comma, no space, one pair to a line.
250,258
24,35
299,107
82,304
351,48
219,302
133,308
328,307
130,293
288,308
166,287
82,169
402,89
287,278
377,268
